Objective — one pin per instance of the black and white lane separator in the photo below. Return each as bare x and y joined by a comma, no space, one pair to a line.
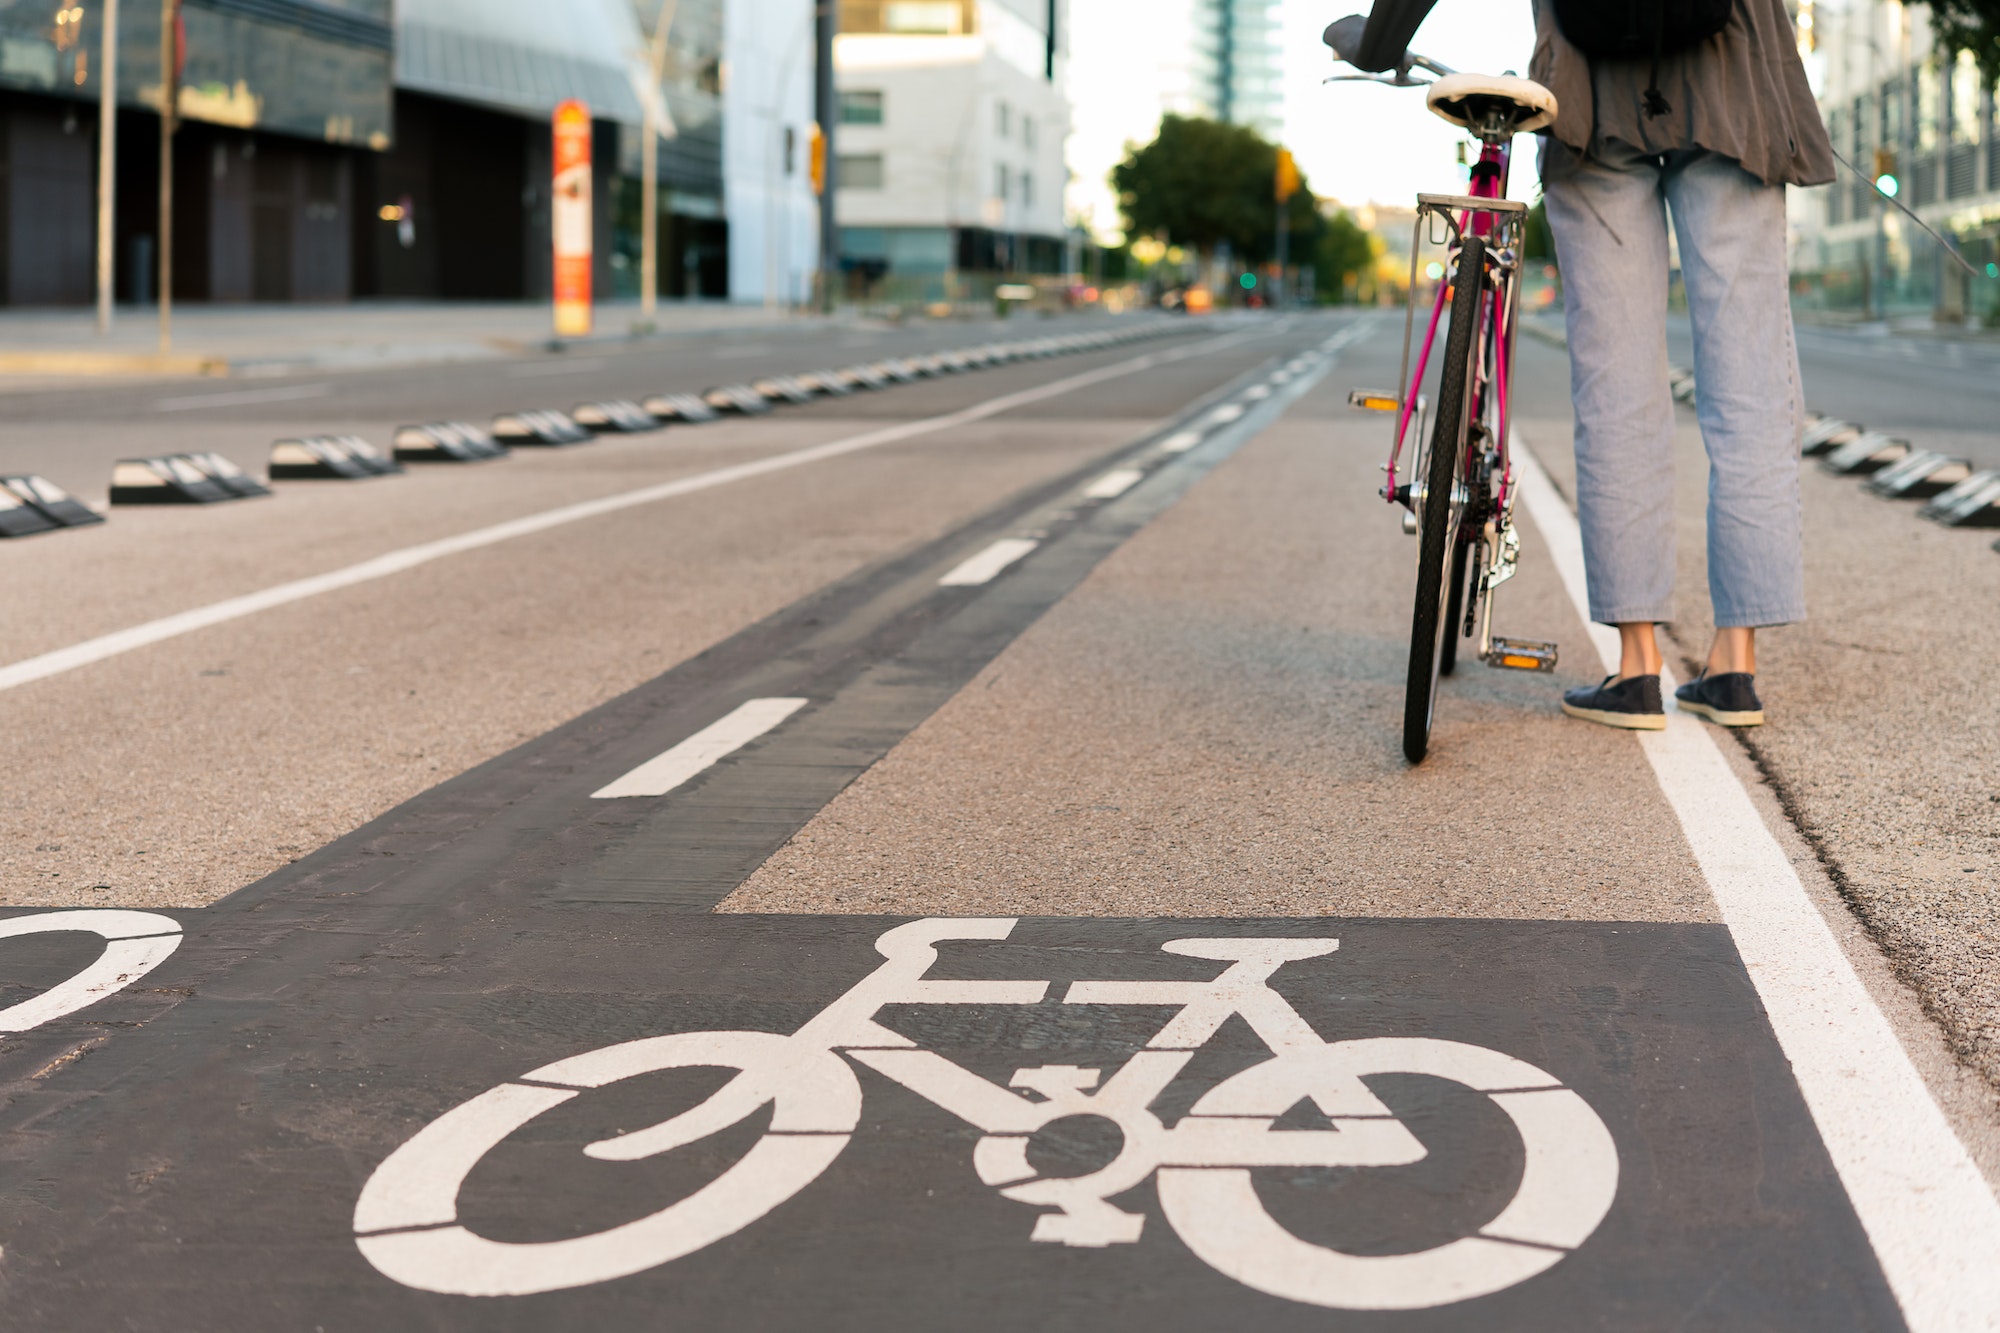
30,504
399,561
614,415
1894,469
1928,1212
544,427
340,457
446,442
206,478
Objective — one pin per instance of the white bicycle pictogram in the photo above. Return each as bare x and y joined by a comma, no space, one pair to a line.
406,1219
134,944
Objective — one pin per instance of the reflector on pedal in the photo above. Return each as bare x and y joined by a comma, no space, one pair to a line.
1521,654
1373,400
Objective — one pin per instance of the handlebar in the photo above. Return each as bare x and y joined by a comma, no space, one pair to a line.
1349,39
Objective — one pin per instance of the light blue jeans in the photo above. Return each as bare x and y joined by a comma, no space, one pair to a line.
1608,214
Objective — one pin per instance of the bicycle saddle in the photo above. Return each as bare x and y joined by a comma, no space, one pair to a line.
1467,100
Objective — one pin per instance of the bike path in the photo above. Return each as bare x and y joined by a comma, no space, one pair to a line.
189,1150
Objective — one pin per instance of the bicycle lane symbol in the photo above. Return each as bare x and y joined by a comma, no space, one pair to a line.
406,1219
134,944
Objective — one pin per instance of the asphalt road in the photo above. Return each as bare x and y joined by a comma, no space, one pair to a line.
1940,393
1025,743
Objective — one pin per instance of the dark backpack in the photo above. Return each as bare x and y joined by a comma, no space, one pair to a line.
1641,30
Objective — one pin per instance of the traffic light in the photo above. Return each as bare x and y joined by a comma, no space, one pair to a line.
1288,175
817,160
1885,171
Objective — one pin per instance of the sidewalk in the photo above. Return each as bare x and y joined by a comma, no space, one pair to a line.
251,340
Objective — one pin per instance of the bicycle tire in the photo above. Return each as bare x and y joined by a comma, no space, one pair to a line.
1438,530
1454,620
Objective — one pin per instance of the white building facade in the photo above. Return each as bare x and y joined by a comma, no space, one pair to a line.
950,166
1897,104
767,123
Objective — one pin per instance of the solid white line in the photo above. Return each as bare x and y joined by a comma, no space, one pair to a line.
283,394
409,557
701,751
535,372
1113,484
986,566
1181,442
1933,1222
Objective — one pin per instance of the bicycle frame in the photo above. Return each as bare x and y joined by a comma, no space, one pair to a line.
1487,213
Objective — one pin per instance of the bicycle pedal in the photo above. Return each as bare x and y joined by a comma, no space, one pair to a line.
1521,654
1373,400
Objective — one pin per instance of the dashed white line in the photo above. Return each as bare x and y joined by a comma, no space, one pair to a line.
1256,392
1225,414
701,751
1933,1222
987,565
1180,442
1113,484
238,397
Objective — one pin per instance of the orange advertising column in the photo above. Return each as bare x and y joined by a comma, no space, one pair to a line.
569,221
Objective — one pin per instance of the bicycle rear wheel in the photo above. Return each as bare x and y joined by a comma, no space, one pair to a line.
1444,506
1454,620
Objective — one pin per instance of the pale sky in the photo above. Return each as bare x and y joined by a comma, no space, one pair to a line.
1357,142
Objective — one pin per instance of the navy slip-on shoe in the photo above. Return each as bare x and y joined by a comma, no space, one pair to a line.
1632,703
1728,700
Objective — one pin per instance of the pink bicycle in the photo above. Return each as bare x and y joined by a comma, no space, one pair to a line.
1459,496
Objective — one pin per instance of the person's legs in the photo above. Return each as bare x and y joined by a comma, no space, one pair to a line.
1608,218
1731,229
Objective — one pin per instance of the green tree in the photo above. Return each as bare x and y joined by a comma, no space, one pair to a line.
1970,25
1202,183
1344,250
1539,243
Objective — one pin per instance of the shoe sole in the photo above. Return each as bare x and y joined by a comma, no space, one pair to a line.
1722,717
1624,721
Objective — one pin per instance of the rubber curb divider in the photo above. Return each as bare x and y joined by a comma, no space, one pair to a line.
446,442
181,479
1924,473
544,427
736,398
782,389
1866,454
30,504
1973,503
336,457
613,416
683,407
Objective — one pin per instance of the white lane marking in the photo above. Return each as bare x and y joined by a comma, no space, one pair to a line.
1225,414
1113,484
1933,1222
237,397
56,662
1181,442
986,566
1256,392
134,944
703,750
536,372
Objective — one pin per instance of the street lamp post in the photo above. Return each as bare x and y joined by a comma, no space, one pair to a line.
826,101
107,162
649,167
170,78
